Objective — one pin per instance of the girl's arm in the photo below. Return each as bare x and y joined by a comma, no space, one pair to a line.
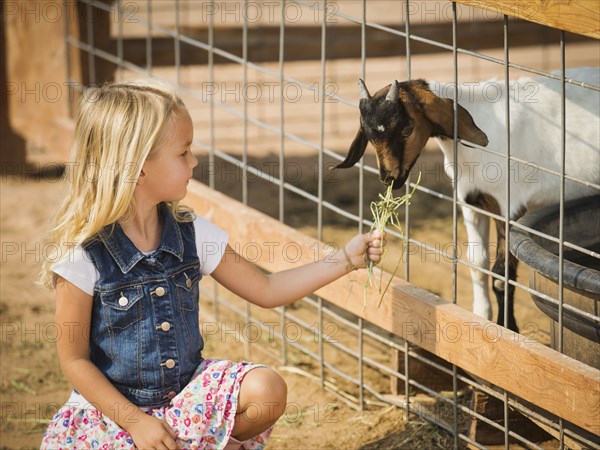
73,315
281,288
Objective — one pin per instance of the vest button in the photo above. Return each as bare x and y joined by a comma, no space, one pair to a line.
165,326
160,291
170,363
188,283
171,395
123,301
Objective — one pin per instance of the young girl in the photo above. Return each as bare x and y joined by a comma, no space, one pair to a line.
127,289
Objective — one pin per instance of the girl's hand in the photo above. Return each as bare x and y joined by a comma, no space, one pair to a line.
149,432
364,247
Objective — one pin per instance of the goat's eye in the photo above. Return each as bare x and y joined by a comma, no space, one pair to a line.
407,131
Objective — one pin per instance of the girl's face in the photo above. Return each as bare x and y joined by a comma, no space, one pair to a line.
168,170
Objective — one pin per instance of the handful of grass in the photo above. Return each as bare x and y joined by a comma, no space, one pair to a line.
385,214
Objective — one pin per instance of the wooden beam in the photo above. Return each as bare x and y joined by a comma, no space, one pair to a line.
576,16
538,374
344,41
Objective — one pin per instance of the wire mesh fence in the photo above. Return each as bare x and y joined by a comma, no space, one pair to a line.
271,88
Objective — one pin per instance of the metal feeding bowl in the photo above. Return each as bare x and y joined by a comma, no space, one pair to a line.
581,272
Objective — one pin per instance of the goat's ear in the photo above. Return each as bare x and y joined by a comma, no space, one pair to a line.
442,114
439,111
357,149
467,129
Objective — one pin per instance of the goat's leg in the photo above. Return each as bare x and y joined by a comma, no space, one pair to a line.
499,285
478,234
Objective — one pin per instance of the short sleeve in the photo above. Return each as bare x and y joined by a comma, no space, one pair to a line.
211,242
77,268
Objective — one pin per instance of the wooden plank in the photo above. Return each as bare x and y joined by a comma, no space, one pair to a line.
343,41
576,16
555,382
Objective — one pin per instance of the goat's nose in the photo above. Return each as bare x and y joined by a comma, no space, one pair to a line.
386,179
397,184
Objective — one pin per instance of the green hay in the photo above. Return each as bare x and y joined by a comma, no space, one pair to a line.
385,214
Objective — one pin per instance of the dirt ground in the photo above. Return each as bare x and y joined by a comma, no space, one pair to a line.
33,388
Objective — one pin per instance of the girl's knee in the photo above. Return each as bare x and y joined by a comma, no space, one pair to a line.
264,386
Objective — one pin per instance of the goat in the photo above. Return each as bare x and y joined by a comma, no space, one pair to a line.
400,118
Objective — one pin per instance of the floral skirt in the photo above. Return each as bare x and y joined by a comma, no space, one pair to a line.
202,415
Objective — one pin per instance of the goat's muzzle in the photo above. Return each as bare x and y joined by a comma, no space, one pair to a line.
396,183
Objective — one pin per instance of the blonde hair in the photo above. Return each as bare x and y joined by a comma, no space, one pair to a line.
118,126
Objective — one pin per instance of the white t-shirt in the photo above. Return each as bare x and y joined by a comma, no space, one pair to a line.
77,267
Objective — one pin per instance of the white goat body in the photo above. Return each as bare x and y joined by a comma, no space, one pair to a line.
535,137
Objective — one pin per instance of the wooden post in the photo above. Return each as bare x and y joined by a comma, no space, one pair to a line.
35,124
12,148
99,21
581,16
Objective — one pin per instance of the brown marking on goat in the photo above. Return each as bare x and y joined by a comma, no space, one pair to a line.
440,113
415,142
386,158
484,201
489,203
501,232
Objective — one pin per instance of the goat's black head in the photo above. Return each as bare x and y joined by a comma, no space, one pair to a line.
398,120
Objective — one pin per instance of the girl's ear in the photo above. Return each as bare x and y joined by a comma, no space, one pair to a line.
141,178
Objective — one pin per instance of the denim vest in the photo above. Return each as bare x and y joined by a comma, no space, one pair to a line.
145,336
